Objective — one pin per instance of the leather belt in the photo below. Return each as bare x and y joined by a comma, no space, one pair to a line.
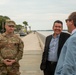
52,62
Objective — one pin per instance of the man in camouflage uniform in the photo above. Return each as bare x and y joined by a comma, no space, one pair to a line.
11,50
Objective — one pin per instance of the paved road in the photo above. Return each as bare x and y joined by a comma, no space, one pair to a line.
30,64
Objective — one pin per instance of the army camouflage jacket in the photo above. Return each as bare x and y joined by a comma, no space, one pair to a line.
11,47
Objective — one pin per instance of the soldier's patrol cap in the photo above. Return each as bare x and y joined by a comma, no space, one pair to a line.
10,22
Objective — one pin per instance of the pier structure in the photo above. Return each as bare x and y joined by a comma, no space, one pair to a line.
32,55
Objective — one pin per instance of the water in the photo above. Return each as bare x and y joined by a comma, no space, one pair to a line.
46,33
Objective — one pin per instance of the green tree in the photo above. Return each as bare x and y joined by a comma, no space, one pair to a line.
2,22
29,28
18,27
26,24
6,17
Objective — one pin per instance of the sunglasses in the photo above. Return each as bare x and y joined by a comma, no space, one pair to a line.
11,26
67,20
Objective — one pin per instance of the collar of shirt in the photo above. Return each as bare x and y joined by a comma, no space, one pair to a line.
56,36
4,34
73,31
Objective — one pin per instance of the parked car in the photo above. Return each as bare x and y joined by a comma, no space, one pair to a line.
22,34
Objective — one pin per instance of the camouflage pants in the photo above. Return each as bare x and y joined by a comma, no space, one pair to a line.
9,70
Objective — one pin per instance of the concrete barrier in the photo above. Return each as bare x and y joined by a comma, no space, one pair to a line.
41,39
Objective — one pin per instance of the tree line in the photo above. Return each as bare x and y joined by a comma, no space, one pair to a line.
18,26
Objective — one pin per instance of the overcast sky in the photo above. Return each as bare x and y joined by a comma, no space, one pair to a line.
40,14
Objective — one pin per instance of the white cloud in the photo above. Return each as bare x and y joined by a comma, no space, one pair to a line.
2,2
37,12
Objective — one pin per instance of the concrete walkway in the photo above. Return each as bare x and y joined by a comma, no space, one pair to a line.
30,64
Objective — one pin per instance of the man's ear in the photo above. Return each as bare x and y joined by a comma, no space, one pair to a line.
71,22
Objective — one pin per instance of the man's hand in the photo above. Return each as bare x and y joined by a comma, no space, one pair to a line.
8,61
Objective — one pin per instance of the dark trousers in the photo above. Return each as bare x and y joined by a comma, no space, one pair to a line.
50,68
